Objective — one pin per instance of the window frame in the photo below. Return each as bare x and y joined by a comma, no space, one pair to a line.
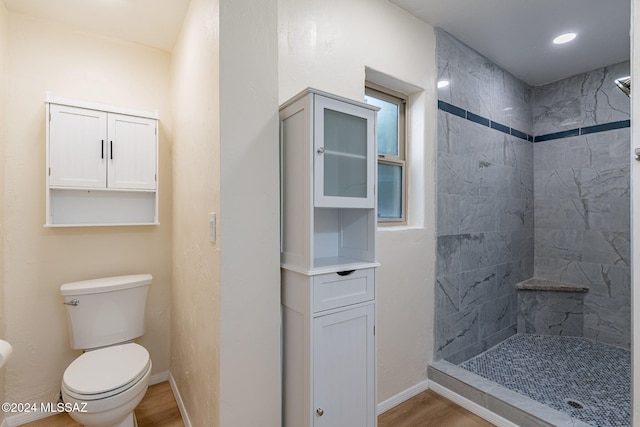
400,99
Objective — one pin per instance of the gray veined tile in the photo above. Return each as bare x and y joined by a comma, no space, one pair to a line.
448,131
444,93
515,214
499,181
448,219
508,275
477,214
620,214
447,295
457,175
573,214
496,316
479,143
610,248
557,184
560,244
549,155
477,287
449,256
455,332
558,116
603,101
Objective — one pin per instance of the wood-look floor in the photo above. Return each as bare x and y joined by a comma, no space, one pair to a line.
158,408
430,409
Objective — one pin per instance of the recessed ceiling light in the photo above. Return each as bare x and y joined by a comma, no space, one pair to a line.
443,83
564,38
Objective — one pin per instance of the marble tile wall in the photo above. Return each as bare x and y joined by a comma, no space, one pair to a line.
551,313
485,203
582,197
488,181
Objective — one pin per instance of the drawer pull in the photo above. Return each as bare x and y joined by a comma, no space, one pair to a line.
344,273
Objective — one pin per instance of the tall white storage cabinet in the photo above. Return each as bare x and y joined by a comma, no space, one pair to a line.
328,176
101,165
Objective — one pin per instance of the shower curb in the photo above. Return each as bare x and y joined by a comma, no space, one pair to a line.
498,399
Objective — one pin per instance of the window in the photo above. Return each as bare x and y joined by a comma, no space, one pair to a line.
392,172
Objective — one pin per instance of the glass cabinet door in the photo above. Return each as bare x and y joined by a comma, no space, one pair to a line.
344,154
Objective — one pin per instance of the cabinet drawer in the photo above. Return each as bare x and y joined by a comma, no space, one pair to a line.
337,290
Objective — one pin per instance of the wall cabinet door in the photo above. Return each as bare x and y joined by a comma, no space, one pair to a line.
344,368
96,149
344,146
132,152
77,147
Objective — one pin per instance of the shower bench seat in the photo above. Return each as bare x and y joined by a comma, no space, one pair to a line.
547,307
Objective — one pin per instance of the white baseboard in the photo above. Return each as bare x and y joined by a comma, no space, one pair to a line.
27,417
470,406
159,378
180,402
403,396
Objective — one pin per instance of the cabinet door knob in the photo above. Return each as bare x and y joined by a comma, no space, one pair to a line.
321,150
320,412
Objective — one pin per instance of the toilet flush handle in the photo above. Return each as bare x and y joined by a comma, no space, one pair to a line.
72,302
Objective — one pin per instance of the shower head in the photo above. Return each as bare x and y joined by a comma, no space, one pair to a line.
624,84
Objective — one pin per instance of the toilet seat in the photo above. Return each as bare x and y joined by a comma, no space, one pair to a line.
106,372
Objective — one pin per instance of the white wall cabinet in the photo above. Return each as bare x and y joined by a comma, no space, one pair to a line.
101,165
328,171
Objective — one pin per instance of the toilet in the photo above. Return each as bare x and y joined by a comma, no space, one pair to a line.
106,383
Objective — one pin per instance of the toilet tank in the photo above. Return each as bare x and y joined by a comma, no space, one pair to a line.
105,311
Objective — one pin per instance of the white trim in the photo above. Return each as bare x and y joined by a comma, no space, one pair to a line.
403,396
25,417
159,378
180,402
470,406
51,99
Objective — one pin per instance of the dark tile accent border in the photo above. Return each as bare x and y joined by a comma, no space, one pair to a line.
557,135
503,128
605,127
460,112
478,119
519,134
456,111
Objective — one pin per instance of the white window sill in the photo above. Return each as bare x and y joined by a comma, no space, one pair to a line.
399,228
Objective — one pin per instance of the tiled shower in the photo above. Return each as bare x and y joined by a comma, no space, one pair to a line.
531,182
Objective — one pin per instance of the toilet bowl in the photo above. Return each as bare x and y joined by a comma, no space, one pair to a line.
104,385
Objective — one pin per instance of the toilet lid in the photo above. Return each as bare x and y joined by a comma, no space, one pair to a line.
106,369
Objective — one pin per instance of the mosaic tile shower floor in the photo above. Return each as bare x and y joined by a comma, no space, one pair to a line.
563,373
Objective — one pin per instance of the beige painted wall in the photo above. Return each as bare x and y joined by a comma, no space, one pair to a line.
195,296
46,57
328,45
3,137
250,215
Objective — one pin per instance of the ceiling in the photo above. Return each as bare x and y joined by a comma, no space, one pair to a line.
154,23
515,34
